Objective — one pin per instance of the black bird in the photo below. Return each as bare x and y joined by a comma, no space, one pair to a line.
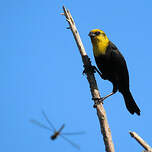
112,66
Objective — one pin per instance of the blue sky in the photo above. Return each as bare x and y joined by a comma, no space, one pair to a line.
41,69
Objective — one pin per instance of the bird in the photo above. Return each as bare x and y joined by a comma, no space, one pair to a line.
112,66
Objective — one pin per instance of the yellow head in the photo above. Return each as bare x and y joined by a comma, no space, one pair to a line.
99,41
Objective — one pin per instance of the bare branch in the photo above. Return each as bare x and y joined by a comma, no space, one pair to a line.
141,141
105,130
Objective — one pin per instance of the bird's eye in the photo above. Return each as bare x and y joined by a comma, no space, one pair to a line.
97,33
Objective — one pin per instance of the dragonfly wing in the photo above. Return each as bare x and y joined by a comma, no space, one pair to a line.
40,125
69,141
73,133
51,125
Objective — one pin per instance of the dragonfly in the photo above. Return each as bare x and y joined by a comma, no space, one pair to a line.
57,133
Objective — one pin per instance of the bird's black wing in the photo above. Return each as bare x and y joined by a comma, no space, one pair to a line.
116,57
119,65
112,46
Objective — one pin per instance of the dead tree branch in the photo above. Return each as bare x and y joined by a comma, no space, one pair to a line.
141,141
105,130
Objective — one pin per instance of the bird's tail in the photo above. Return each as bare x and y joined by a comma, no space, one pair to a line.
130,103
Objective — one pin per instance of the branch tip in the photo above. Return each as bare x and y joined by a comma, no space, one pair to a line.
141,141
131,134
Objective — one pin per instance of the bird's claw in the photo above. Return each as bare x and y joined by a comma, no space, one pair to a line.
97,101
89,69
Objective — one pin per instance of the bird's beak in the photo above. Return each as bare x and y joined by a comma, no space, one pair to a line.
91,34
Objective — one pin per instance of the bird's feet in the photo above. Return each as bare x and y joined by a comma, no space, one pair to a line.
97,101
89,69
93,69
100,100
